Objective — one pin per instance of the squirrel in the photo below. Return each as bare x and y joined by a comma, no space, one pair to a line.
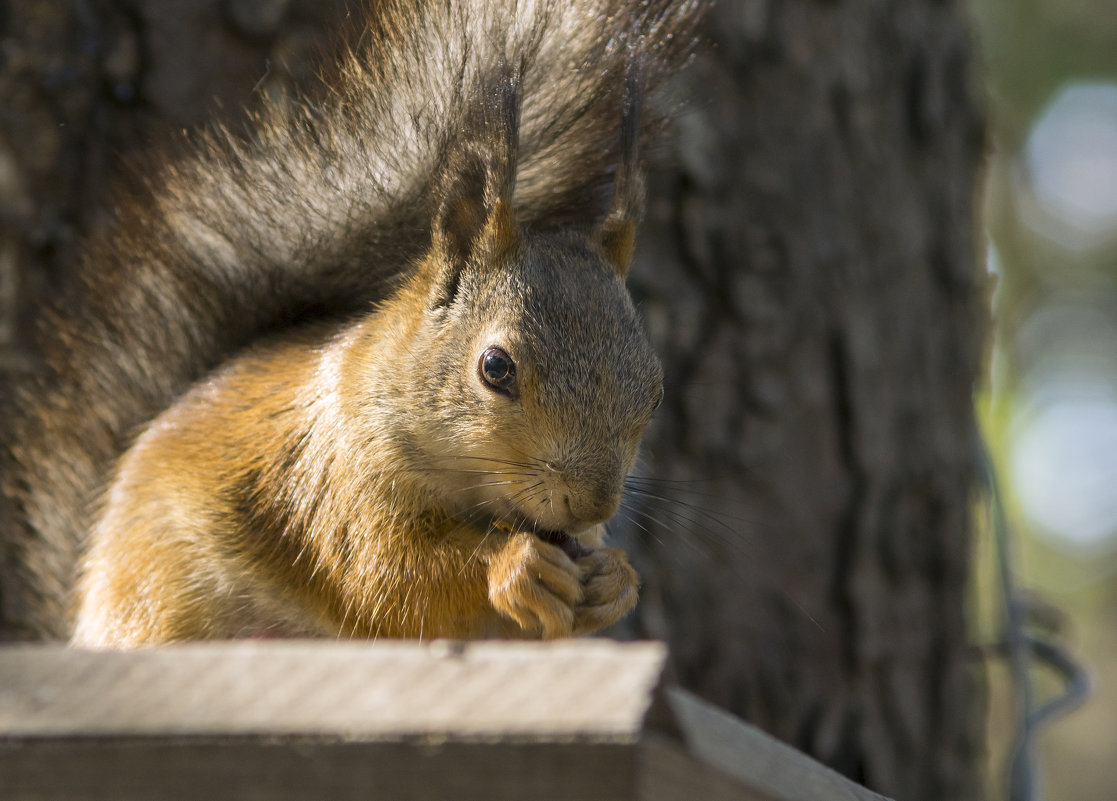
370,370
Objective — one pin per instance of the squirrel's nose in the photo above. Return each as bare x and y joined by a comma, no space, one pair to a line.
592,505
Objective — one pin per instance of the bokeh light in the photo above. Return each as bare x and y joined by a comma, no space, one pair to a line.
1070,160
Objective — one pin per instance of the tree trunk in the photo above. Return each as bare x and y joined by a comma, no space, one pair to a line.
85,83
807,274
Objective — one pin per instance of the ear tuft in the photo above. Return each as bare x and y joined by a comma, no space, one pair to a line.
617,239
474,219
617,235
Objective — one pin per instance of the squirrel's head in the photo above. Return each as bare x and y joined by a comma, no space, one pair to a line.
536,380
537,383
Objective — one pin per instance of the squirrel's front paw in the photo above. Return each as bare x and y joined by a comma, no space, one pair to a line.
537,585
546,592
609,587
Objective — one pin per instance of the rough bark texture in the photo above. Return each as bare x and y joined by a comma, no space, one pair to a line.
807,273
84,83
809,280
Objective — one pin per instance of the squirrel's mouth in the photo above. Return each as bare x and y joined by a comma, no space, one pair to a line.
569,545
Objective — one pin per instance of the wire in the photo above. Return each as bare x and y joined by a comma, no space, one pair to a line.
1022,651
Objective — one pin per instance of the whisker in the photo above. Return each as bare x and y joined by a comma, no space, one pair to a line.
657,480
645,484
514,498
699,539
630,517
477,550
490,484
491,459
532,462
719,518
674,517
529,493
480,472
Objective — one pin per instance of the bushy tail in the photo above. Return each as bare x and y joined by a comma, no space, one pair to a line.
313,213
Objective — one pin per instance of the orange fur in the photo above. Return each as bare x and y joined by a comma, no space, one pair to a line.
274,499
323,483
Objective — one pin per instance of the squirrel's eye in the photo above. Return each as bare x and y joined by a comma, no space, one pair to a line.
658,400
498,371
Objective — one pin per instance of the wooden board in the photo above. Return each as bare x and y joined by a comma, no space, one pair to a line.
286,769
588,688
581,720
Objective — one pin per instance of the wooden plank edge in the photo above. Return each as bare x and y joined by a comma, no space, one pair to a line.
762,766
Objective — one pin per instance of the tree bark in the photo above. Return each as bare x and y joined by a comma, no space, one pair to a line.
86,83
808,276
807,273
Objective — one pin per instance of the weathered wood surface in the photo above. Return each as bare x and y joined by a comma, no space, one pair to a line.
389,690
578,720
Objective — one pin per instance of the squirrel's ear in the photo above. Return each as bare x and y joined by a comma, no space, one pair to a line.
617,240
617,234
474,219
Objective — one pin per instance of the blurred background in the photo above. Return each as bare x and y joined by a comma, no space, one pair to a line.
1050,408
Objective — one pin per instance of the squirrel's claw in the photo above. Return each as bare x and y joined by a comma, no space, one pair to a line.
610,587
536,585
550,595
